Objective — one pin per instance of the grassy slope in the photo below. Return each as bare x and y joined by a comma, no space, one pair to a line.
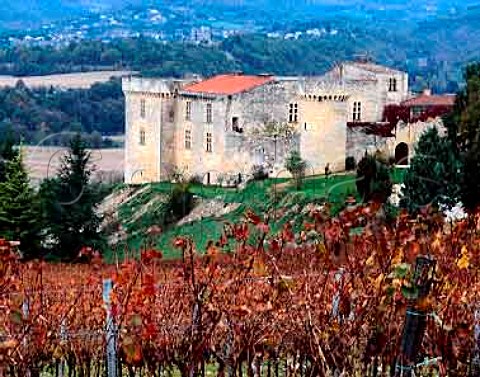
260,196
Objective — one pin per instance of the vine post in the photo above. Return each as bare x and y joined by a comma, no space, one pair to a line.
111,333
415,317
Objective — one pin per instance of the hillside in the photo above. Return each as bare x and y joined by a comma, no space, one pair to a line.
138,210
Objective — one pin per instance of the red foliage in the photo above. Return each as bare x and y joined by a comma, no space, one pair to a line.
272,294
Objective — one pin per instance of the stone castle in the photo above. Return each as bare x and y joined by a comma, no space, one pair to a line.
223,128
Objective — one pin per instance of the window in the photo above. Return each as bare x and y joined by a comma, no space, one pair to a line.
188,110
357,111
209,142
209,113
142,137
188,139
143,109
392,85
293,113
236,125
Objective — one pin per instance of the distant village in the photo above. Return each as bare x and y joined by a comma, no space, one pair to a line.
165,24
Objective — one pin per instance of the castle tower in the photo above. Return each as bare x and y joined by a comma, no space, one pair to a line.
323,130
148,108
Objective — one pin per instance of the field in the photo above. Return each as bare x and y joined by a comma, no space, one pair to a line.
42,162
83,80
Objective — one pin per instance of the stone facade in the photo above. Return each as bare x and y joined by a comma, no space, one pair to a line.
221,128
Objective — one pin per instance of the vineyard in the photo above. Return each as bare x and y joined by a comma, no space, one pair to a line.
353,295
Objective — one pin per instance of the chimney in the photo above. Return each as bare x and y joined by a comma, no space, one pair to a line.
427,92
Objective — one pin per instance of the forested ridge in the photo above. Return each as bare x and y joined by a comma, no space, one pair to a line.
49,116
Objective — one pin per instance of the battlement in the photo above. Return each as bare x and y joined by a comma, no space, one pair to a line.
133,84
326,96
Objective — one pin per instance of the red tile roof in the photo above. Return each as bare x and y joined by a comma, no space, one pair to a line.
228,84
435,100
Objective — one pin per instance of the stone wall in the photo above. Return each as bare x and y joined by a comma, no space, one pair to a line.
142,160
323,134
410,133
234,152
359,143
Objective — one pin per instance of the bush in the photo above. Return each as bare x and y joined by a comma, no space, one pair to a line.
180,203
373,180
296,166
259,173
350,163
195,180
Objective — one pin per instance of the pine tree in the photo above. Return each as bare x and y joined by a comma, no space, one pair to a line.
19,209
434,175
7,152
70,201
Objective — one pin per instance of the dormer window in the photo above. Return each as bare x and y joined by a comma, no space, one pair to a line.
392,84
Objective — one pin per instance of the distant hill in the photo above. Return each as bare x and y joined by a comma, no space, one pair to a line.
17,14
22,13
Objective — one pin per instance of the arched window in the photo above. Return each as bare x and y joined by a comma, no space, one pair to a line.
142,137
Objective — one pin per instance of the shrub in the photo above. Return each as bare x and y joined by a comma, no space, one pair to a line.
259,173
373,180
179,204
195,180
296,166
350,163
